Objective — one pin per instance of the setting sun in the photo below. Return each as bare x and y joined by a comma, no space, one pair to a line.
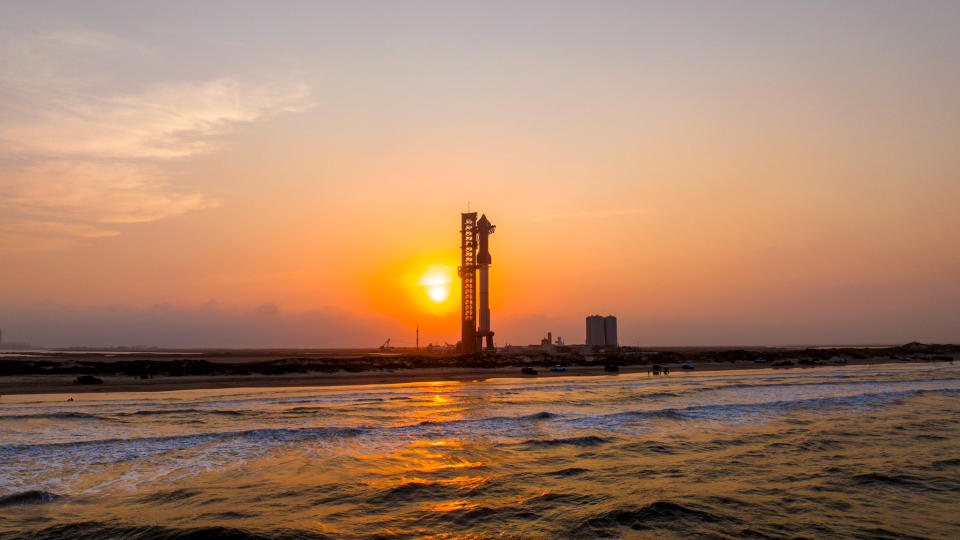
438,292
421,290
437,282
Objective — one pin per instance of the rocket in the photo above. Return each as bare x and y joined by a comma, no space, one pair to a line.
484,230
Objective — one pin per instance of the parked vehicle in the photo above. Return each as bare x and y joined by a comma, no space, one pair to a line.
528,371
611,367
558,368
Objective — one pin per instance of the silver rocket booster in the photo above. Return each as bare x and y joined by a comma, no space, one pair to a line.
484,230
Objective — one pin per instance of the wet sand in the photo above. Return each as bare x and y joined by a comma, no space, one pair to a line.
63,384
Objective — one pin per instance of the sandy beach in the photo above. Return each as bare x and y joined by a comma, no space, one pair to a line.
63,384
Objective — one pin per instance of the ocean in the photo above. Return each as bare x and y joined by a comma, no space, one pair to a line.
831,452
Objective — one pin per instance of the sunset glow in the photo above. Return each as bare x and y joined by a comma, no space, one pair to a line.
304,187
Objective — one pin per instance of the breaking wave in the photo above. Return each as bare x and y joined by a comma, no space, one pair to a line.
256,435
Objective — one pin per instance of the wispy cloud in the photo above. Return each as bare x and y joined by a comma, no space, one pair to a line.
81,160
91,193
590,214
26,235
79,230
162,121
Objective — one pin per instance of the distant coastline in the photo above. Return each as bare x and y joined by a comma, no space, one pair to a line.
46,372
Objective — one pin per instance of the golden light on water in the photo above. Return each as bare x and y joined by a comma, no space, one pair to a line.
450,506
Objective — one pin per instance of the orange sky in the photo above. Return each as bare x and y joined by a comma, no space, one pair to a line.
769,175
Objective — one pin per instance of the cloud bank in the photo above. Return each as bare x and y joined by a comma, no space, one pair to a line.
205,326
211,325
83,159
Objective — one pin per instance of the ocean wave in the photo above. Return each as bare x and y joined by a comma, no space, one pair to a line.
657,395
539,416
420,491
590,440
469,515
570,471
733,411
300,410
28,497
172,496
491,419
551,499
654,515
56,416
150,443
136,447
120,416
817,383
881,533
884,479
655,447
97,529
154,412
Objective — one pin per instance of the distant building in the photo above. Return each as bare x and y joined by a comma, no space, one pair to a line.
610,331
595,331
602,331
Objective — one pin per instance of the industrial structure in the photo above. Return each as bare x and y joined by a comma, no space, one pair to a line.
601,331
547,343
474,259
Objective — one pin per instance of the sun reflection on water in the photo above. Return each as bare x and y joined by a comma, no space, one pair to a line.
450,506
439,405
424,442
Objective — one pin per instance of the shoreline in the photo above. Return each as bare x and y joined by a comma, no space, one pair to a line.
63,384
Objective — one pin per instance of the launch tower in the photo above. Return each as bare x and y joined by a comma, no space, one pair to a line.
474,257
468,278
